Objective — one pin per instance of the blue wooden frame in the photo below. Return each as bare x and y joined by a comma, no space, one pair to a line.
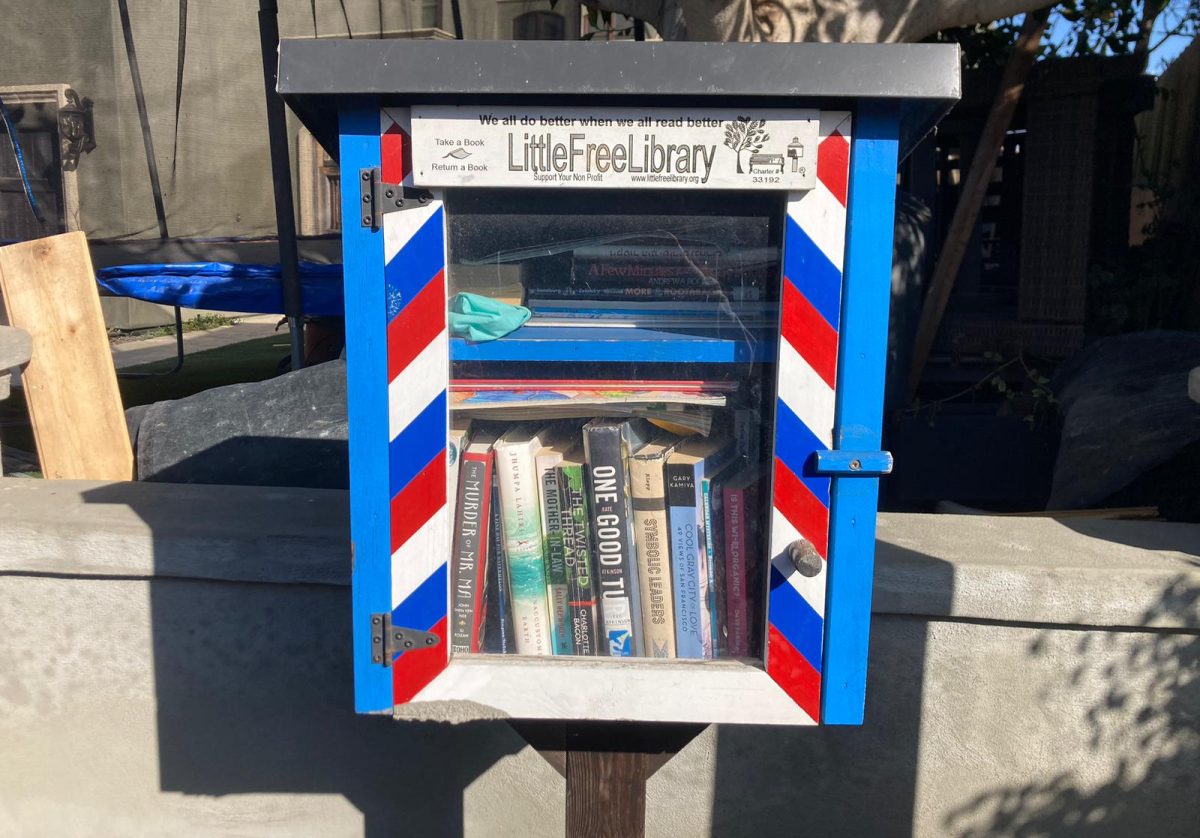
857,432
862,360
367,397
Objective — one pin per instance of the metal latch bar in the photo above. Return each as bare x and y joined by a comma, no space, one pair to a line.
388,640
854,463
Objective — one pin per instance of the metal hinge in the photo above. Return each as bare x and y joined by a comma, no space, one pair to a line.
379,198
387,640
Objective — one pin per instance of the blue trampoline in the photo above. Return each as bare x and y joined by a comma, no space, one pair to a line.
221,286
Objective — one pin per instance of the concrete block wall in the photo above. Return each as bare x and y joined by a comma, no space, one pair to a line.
174,661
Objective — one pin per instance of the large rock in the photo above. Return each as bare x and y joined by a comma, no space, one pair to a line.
288,431
1126,411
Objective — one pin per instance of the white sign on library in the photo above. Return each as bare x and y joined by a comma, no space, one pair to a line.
640,148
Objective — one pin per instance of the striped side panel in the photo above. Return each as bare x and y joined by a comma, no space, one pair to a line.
814,246
418,370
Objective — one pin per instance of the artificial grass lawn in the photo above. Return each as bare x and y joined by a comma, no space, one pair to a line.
252,360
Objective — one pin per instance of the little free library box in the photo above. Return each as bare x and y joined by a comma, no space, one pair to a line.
616,319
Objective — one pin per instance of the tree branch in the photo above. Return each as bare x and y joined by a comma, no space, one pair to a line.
841,21
650,11
1151,9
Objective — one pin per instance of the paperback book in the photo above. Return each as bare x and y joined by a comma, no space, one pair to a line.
546,463
577,552
684,476
652,536
520,501
607,445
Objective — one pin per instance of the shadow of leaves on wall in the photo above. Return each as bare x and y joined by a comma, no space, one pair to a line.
1146,722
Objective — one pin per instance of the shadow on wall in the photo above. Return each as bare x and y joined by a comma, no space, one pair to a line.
1099,736
253,687
853,781
1153,680
254,693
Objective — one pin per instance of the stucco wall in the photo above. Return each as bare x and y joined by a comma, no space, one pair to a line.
216,176
1027,677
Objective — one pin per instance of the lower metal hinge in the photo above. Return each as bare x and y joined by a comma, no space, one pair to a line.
379,198
388,640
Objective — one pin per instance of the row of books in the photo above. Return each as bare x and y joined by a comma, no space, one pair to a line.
605,538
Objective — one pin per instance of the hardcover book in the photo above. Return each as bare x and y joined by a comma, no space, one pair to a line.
652,536
607,445
521,510
684,476
472,524
714,542
498,629
577,553
740,498
546,462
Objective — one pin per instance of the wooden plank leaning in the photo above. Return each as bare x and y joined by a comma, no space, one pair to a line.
49,290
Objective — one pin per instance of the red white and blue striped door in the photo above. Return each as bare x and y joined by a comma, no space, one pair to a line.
813,250
418,369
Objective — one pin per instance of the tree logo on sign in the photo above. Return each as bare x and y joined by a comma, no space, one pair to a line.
746,134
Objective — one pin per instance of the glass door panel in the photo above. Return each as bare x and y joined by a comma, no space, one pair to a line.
612,406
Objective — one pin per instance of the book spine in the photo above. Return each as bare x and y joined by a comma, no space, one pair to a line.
609,502
693,635
651,535
716,588
577,556
498,629
521,512
470,552
556,569
639,291
666,281
601,272
674,308
650,252
667,274
757,499
737,601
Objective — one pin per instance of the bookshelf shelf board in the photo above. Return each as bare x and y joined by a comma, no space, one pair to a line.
599,344
612,689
